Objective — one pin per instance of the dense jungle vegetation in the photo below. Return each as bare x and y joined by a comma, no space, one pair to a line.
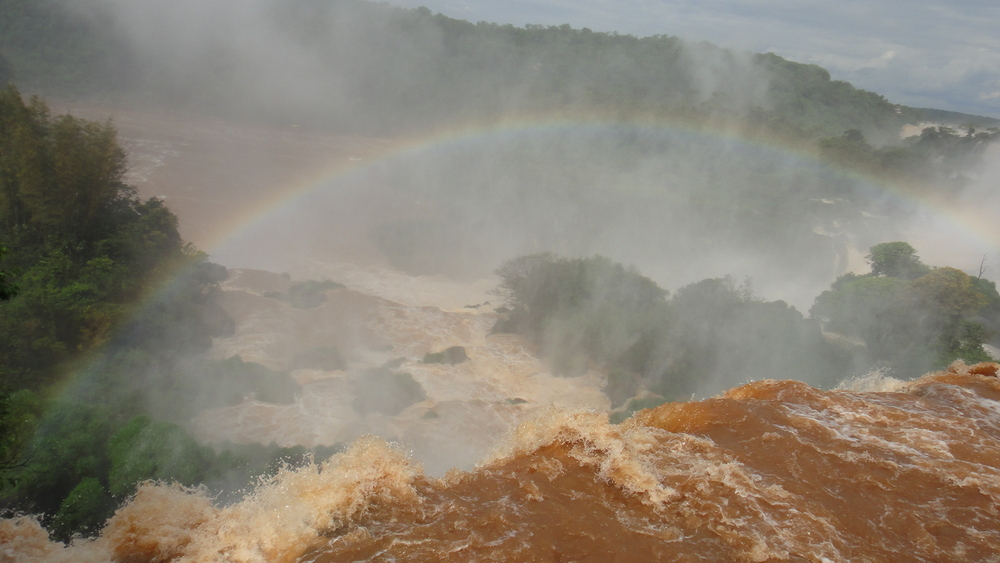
87,352
903,316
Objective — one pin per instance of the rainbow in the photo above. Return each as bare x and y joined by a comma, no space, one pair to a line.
968,225
965,224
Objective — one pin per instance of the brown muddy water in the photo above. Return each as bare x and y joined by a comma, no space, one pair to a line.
503,461
769,471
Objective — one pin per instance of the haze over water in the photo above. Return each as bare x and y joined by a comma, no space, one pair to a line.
501,456
771,471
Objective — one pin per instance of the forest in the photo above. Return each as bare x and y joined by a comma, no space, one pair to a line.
99,293
376,68
82,255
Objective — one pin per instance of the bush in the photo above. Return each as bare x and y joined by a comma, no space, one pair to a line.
145,449
583,309
83,511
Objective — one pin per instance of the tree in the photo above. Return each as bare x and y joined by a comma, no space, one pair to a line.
147,449
69,446
84,247
58,176
18,418
858,306
722,330
948,294
850,149
84,510
946,302
8,289
911,326
896,260
583,309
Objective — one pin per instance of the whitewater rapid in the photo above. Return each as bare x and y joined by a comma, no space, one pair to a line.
769,471
384,317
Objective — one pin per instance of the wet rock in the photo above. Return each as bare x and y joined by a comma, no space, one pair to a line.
451,356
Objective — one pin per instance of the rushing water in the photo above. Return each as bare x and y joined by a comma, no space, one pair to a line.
769,471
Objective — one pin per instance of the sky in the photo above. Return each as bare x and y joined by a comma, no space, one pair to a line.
919,53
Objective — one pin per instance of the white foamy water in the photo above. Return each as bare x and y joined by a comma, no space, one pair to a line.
469,406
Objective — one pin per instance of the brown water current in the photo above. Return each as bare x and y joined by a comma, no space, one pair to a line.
769,471
384,317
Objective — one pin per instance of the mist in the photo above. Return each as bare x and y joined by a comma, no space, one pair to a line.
365,178
373,67
960,229
679,205
519,145
565,174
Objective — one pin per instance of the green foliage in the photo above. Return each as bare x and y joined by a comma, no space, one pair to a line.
67,448
8,289
726,336
986,288
989,315
86,459
947,294
19,412
422,69
86,251
58,176
83,511
144,449
583,309
851,150
965,342
908,316
710,335
896,260
939,157
803,97
84,246
858,306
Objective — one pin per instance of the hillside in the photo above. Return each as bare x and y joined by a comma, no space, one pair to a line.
375,68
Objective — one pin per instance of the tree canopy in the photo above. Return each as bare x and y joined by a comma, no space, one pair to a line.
110,314
896,260
593,312
909,317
